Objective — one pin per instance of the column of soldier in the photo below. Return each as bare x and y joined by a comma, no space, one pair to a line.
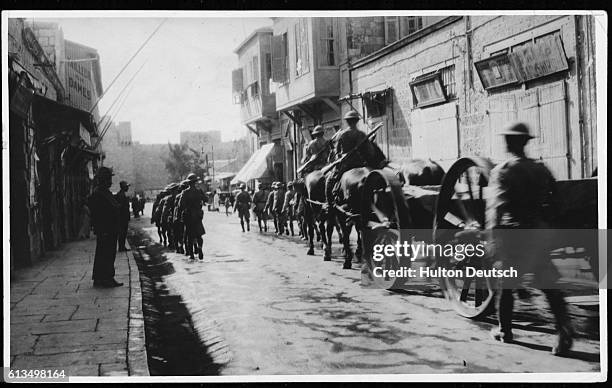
177,214
271,202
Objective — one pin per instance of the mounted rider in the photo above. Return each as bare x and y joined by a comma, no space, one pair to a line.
356,150
317,152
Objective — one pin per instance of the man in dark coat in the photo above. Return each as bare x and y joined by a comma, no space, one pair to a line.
105,219
243,205
289,208
259,203
190,207
269,207
519,213
277,205
168,213
124,214
178,224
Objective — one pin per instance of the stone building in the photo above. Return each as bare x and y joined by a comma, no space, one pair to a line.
444,91
53,154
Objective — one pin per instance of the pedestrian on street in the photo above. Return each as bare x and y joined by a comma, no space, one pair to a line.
243,205
216,203
190,207
124,214
135,206
105,218
522,205
227,204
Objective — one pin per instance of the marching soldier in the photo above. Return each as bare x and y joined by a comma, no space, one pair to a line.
269,208
179,226
124,214
317,151
167,213
190,206
289,208
259,203
243,205
277,206
156,216
522,203
105,219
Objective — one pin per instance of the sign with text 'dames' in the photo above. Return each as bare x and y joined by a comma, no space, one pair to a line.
539,59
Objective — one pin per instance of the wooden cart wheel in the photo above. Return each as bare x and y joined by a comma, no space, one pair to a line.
383,215
461,206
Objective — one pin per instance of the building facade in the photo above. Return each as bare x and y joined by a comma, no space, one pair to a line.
52,144
444,91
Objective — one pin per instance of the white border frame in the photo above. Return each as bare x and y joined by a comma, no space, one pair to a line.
601,45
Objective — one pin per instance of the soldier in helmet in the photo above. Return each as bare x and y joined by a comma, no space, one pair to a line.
243,205
317,151
105,219
269,207
523,197
277,207
167,214
259,203
289,208
346,142
179,226
190,206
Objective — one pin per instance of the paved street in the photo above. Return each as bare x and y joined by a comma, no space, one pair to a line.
265,307
60,321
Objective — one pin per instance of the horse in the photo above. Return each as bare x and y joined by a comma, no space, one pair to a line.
312,192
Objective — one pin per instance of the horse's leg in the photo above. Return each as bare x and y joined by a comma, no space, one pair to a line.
359,250
327,229
346,237
200,241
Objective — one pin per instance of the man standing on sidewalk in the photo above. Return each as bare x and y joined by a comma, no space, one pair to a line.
105,219
124,214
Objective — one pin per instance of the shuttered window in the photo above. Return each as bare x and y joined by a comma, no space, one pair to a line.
279,58
302,60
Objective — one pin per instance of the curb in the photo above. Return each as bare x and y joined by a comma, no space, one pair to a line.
136,345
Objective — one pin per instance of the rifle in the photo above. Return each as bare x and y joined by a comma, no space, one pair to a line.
369,136
314,157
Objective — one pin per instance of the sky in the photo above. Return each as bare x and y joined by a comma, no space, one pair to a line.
185,84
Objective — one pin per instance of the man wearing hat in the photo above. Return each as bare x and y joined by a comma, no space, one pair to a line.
277,207
522,202
190,207
259,203
269,208
105,219
346,141
179,226
156,216
168,213
243,205
317,151
289,208
124,214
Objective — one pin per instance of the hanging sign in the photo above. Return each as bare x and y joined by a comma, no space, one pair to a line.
496,71
539,59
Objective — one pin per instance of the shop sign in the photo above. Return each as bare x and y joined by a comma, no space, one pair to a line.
496,71
539,59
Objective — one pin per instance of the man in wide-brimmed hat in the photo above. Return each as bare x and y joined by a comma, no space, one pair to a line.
519,212
190,206
105,219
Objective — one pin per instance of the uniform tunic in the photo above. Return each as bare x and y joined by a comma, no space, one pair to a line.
319,147
190,205
243,204
259,200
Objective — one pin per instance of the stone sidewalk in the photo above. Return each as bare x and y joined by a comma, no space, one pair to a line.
59,320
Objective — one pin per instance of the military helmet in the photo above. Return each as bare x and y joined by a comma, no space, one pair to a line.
318,130
517,129
192,177
242,186
351,115
290,184
104,172
172,186
185,183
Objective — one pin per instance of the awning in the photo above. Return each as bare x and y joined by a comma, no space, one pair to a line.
257,165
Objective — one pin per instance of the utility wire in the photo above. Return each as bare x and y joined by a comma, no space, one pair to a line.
110,121
126,65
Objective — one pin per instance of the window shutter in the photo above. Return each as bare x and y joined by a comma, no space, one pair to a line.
305,40
278,59
237,81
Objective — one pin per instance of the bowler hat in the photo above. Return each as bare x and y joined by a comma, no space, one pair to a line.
318,130
517,129
351,114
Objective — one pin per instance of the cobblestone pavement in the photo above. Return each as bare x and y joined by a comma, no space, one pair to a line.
264,307
60,321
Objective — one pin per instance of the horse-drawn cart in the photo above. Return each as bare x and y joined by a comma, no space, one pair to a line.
437,213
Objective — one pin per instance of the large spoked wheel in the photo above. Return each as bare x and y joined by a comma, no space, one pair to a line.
460,207
383,207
